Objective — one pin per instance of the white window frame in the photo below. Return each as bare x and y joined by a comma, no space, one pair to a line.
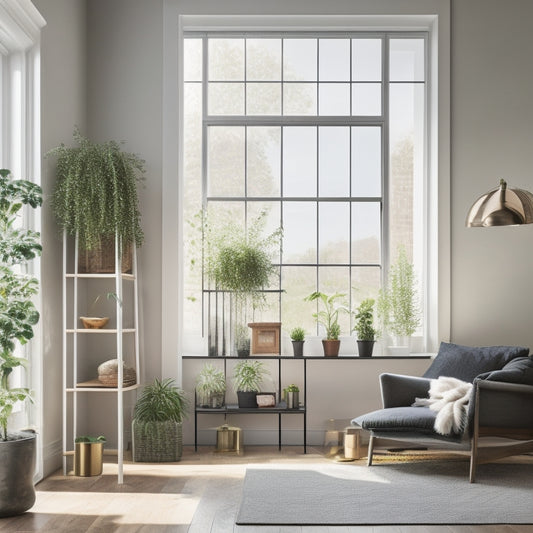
386,15
20,29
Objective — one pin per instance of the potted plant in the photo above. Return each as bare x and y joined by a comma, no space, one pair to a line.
95,199
329,319
292,396
157,422
364,327
18,316
398,305
210,387
88,455
298,339
247,380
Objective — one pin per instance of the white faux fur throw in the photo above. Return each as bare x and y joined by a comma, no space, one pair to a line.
449,398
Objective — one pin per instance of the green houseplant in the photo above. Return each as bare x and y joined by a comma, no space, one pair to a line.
298,339
247,380
18,316
95,198
157,422
398,304
292,396
210,387
88,455
329,319
364,327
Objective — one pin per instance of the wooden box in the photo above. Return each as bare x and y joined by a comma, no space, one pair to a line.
265,337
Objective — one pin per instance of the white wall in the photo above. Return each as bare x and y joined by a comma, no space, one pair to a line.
492,133
63,105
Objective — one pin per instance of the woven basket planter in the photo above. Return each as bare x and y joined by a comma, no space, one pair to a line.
157,442
101,260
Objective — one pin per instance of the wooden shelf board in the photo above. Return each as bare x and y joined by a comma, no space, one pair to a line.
129,277
100,331
94,385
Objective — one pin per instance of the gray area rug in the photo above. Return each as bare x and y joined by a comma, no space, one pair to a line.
406,493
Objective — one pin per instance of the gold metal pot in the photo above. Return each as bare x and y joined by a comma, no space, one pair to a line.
88,458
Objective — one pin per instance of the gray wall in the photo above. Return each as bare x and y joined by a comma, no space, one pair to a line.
492,122
63,105
492,133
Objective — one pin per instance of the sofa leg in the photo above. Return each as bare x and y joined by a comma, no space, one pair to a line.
473,461
370,450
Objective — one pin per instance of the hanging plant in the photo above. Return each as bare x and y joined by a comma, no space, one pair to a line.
95,196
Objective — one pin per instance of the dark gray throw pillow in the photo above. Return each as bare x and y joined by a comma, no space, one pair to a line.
467,362
519,370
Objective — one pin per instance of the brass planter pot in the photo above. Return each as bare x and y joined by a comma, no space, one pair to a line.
88,459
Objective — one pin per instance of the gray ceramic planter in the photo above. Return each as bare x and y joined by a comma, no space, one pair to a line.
17,465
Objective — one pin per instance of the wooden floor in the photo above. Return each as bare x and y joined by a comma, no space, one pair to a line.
200,494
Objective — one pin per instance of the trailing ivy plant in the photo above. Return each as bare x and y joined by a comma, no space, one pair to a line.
398,303
18,314
95,195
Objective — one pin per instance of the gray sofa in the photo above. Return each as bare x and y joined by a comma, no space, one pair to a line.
500,404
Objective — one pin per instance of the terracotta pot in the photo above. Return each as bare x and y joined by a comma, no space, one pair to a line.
331,347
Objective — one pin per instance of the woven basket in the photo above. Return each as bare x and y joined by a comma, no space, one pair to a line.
157,442
101,260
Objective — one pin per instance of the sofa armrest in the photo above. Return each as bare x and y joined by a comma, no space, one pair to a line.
398,390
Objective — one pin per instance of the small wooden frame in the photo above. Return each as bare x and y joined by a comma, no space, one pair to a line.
265,337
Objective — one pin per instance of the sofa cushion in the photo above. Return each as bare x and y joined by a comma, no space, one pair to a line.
466,362
519,370
398,419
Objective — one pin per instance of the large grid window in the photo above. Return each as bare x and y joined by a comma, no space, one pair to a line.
326,133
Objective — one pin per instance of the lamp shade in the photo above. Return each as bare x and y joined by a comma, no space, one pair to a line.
501,207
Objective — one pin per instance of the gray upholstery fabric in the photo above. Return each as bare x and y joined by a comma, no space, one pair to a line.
398,390
398,419
519,370
466,362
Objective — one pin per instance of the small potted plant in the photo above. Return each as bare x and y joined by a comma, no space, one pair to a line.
364,327
210,387
157,422
329,319
298,339
292,396
247,380
397,304
88,456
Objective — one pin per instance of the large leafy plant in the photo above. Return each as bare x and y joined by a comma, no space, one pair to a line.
95,196
364,320
18,314
248,376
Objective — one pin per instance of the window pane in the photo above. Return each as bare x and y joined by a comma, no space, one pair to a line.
366,282
332,280
299,98
299,161
272,219
366,60
366,99
263,59
297,282
299,59
299,232
406,166
226,98
263,161
334,59
192,59
263,99
366,233
225,161
334,161
407,60
226,59
334,232
366,161
334,99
